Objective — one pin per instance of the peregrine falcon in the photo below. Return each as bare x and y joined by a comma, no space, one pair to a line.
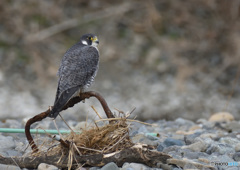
77,71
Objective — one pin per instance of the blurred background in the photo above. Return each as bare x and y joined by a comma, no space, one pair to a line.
167,58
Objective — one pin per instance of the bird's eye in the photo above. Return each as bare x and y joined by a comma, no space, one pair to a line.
90,38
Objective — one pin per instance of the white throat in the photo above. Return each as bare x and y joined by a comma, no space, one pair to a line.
94,44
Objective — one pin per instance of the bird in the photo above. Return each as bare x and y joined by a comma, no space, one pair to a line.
77,71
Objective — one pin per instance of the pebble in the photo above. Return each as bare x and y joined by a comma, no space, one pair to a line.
191,155
237,147
160,147
230,141
209,135
7,143
9,167
220,148
94,168
221,117
236,156
199,146
141,138
44,166
134,166
11,123
170,142
184,122
110,166
232,126
189,139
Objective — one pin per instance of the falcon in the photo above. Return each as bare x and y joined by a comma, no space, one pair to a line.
77,71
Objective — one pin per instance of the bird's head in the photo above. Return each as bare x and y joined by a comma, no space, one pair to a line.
90,39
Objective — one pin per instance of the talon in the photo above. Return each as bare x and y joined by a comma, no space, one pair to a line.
50,108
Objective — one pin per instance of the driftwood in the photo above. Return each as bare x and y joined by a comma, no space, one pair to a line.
138,153
71,103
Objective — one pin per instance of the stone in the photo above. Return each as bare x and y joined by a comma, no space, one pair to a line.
13,153
44,166
209,135
191,155
232,126
94,168
236,156
206,161
12,123
170,142
171,148
184,122
182,132
220,148
9,167
237,147
189,139
110,166
133,166
140,138
143,129
199,146
160,147
175,154
6,142
188,164
221,117
229,141
195,127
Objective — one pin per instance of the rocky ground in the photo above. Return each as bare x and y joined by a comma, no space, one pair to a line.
204,144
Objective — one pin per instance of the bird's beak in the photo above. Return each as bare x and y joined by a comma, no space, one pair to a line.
95,40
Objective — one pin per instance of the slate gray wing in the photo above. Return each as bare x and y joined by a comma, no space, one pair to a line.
77,71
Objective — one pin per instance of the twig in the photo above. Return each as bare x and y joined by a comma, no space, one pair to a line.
96,112
77,149
66,123
130,120
129,114
55,124
89,149
15,162
117,142
120,111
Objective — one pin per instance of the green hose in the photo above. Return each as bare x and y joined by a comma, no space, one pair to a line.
36,131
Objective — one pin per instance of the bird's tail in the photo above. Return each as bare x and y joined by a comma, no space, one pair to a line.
62,101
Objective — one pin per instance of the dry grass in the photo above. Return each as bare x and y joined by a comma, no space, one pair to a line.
109,138
106,139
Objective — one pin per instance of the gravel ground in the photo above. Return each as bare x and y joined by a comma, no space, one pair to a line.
209,143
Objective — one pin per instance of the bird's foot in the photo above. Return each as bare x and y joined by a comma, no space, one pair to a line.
80,94
50,108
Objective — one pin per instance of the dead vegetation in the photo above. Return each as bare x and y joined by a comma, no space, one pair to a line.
110,138
106,139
